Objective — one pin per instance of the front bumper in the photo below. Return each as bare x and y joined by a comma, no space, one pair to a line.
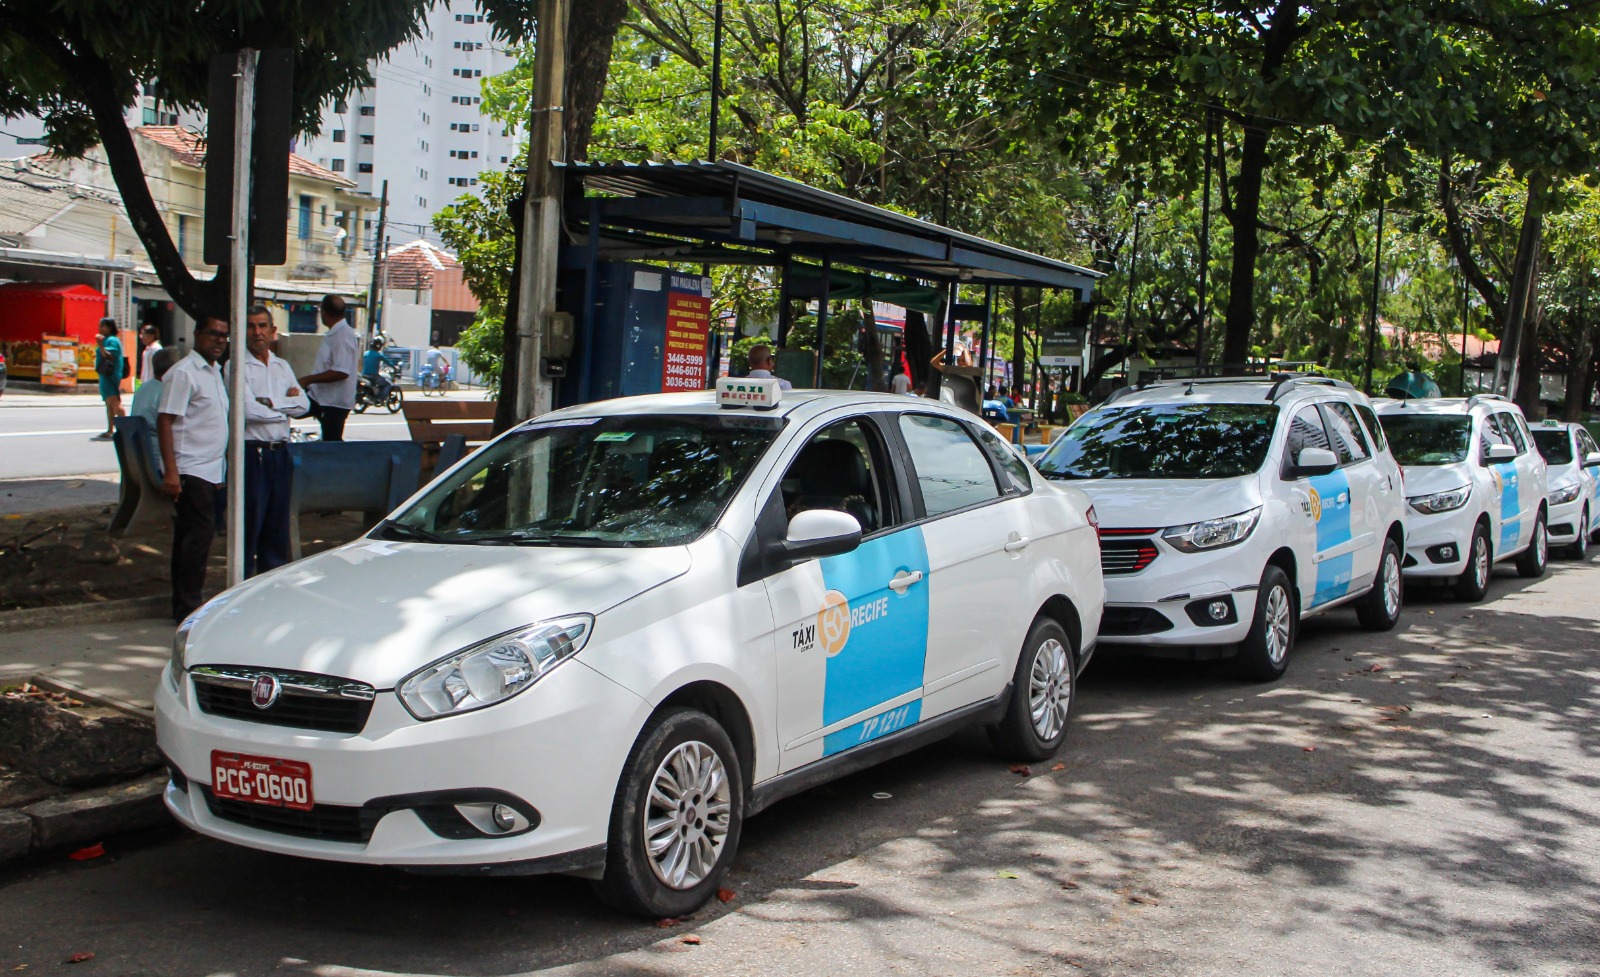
1437,544
388,779
1565,522
1167,605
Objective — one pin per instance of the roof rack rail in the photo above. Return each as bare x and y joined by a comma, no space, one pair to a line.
1288,381
1480,398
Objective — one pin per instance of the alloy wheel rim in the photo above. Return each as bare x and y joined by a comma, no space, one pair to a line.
687,814
1480,561
1277,625
1050,690
1541,542
1391,585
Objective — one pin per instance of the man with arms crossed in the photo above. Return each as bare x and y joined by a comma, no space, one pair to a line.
192,430
332,380
274,397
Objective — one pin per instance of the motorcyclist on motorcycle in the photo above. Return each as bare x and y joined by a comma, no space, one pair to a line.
372,363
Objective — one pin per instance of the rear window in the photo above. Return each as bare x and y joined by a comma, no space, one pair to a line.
1556,446
1164,441
1428,439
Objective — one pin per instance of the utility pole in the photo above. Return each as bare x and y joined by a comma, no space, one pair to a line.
238,302
716,80
541,211
378,248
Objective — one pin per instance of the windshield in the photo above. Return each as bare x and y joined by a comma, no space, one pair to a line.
1555,445
1428,439
1165,441
658,480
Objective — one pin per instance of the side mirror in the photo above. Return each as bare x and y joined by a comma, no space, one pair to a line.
1315,461
1592,460
1500,452
820,532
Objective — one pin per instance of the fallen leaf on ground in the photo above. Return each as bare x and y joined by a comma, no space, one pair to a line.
1309,749
1021,769
1059,766
20,966
1144,900
1005,873
83,957
726,895
691,939
84,854
1374,667
1069,884
666,923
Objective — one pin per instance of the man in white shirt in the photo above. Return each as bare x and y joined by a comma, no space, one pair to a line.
275,396
332,380
192,430
761,364
901,384
151,337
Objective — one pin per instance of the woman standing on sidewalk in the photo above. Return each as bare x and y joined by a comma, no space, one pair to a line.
108,363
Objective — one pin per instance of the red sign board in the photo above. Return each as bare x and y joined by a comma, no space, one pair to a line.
683,357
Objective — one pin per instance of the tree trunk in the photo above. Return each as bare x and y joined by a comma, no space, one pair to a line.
1578,373
1530,357
919,346
591,30
1523,272
1245,219
871,348
505,411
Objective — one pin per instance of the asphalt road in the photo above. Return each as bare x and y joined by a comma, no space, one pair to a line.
1425,801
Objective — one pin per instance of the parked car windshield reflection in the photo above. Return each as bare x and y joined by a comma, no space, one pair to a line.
1556,446
1164,441
1428,439
618,481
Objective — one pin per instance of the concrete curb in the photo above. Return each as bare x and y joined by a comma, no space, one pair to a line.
101,612
84,818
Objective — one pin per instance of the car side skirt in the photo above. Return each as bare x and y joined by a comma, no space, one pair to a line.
858,758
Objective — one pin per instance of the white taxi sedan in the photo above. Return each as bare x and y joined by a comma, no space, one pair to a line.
1572,458
600,642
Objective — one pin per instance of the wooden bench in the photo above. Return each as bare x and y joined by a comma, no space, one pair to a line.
432,422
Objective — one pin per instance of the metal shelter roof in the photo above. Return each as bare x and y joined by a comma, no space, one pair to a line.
728,213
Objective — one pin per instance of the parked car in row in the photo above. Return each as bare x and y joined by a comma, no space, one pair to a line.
1572,459
1232,508
1476,486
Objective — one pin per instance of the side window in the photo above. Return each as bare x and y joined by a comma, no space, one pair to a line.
1490,435
1305,431
1513,432
1014,469
1374,427
1586,442
951,469
1345,433
842,467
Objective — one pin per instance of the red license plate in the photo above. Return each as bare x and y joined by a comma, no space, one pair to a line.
261,780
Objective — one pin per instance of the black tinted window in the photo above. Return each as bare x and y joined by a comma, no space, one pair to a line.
1490,435
1015,469
1373,427
1512,431
1305,431
1555,445
1345,434
1164,441
1428,439
951,469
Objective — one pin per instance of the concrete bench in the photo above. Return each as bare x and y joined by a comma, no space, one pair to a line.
372,477
432,422
141,502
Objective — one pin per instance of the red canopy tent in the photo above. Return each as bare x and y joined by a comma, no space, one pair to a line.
30,310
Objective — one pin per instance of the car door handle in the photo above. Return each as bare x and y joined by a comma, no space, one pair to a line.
903,580
1017,543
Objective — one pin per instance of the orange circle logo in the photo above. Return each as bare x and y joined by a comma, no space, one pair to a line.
833,623
1316,506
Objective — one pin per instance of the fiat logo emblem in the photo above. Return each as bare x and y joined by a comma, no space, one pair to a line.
264,691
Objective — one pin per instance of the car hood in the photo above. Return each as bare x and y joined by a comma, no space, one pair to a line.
1122,503
1428,479
375,611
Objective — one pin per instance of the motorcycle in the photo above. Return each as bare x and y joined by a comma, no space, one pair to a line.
367,391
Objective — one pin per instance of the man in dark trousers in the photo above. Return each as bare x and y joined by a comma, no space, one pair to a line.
332,380
274,397
192,429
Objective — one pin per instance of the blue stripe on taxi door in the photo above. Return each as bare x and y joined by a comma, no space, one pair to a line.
1510,510
885,647
1331,508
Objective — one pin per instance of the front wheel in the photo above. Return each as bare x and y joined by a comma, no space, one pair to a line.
1579,550
1035,723
1474,580
676,817
1380,609
1536,557
392,405
1264,652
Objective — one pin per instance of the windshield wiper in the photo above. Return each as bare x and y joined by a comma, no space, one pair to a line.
403,531
544,539
1063,476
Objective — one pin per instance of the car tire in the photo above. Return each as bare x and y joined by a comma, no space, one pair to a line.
1264,652
1473,583
684,755
1533,561
1380,609
1579,550
1043,687
393,403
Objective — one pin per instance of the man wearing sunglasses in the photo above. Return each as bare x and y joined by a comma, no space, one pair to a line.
192,429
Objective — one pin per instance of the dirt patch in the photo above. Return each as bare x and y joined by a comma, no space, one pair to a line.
66,556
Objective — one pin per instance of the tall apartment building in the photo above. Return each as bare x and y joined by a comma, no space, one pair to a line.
421,124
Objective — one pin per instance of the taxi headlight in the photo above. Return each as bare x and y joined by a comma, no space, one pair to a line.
1212,534
1563,495
1441,501
494,670
180,649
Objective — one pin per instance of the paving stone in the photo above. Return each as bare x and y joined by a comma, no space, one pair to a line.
16,835
94,815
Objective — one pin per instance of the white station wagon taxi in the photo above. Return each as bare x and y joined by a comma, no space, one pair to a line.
1476,488
1230,508
1571,459
601,641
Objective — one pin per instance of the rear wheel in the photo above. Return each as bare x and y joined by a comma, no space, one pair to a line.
1474,580
1380,609
1035,723
1264,653
1536,557
1579,550
676,817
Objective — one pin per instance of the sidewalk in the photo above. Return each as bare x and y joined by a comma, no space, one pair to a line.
120,661
24,496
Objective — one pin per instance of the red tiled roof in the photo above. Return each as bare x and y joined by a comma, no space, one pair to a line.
190,149
413,265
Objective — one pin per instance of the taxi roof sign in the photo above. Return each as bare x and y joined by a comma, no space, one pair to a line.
762,393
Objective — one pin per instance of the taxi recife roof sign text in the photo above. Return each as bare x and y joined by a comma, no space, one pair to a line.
762,393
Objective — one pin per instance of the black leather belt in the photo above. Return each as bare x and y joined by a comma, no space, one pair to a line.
267,445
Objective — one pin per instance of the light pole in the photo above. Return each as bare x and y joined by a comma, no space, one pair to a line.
944,153
1133,273
716,79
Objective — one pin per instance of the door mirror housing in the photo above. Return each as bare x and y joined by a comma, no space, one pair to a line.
820,532
1500,452
1592,460
1315,461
